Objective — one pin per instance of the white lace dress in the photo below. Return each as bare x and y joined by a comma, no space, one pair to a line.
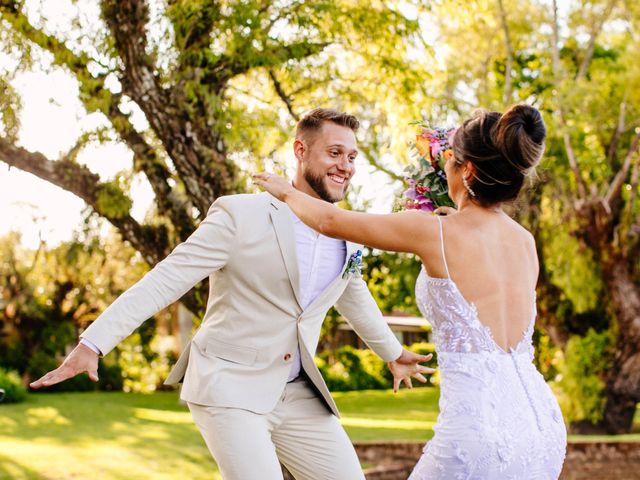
498,417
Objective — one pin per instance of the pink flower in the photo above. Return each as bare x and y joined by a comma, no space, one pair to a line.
435,149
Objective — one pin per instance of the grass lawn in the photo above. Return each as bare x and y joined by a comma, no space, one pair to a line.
117,436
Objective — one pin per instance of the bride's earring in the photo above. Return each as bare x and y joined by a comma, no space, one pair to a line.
466,185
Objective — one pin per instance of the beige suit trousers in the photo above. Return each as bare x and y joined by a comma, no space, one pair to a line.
300,432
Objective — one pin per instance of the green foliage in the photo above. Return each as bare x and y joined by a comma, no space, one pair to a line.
353,370
580,379
349,369
548,357
51,295
11,383
570,263
391,278
144,365
112,201
110,377
10,103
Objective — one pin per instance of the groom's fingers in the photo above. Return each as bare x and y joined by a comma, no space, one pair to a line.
258,178
418,376
423,369
58,375
396,384
425,358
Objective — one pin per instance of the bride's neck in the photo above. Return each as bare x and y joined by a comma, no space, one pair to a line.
467,205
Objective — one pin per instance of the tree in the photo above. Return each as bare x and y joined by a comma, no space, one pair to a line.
600,130
578,68
218,84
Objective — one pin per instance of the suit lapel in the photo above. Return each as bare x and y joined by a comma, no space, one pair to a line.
283,226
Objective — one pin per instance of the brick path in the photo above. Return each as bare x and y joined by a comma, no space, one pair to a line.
585,460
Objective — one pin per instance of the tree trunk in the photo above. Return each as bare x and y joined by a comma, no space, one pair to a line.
622,389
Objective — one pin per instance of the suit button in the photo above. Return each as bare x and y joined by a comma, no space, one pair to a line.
287,357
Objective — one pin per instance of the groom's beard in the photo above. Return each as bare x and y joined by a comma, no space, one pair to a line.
317,183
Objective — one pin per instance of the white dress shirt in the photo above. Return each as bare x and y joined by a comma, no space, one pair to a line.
320,261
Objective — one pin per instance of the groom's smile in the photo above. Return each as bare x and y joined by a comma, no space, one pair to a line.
327,162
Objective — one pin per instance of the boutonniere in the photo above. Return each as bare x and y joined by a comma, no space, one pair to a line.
354,265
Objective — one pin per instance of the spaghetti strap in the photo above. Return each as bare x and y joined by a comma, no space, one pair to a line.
444,258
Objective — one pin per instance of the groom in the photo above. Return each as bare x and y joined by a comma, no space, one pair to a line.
249,376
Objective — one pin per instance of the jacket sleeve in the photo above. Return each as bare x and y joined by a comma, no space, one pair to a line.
361,311
204,252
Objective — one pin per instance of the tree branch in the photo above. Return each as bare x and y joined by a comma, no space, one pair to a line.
566,137
371,159
616,184
617,133
510,55
92,87
85,184
555,47
146,159
595,31
635,177
271,56
283,96
193,22
571,157
197,153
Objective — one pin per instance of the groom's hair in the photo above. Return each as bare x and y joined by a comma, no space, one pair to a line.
312,121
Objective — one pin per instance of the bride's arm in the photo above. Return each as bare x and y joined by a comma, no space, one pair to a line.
399,232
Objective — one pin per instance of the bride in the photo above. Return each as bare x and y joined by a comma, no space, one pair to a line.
498,418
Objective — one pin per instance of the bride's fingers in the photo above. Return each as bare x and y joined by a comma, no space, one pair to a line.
407,382
445,211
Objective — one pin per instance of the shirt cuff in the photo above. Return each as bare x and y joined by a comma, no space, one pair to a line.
91,345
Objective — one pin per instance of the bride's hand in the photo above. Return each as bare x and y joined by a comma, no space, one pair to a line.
407,366
445,211
274,184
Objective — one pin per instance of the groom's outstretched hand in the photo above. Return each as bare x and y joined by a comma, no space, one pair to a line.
408,365
81,359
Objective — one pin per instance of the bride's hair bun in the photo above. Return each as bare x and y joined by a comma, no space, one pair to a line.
519,134
503,148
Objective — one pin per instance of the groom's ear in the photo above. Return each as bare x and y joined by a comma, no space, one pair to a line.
299,148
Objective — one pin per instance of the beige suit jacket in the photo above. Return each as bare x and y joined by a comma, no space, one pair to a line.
241,355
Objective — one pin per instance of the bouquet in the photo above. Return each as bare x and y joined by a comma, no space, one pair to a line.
426,179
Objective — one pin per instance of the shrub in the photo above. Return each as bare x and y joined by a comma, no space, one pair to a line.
354,369
110,377
11,383
580,377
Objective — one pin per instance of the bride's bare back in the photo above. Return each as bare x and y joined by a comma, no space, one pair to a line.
493,262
